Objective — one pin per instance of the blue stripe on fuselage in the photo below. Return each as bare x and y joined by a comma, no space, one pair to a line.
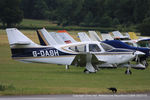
37,52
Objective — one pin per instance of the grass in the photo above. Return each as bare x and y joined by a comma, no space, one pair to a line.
35,78
30,24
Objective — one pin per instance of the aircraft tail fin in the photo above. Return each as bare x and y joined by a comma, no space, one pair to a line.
66,37
15,37
57,38
133,36
106,36
49,40
94,36
83,36
41,38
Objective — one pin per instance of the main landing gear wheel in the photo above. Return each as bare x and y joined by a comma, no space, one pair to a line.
128,72
144,62
88,72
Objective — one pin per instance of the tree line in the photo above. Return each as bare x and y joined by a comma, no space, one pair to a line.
91,13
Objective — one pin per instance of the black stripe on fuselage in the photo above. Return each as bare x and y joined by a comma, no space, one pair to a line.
37,52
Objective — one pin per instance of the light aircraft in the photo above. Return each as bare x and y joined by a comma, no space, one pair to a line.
84,38
88,54
132,39
136,44
141,61
129,44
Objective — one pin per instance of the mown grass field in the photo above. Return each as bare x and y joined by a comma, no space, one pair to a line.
35,78
32,24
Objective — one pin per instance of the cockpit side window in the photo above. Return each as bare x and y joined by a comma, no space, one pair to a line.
106,47
144,44
78,48
94,48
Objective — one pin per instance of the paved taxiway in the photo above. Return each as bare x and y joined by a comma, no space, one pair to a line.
80,97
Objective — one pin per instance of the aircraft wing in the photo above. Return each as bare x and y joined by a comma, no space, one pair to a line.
80,60
84,37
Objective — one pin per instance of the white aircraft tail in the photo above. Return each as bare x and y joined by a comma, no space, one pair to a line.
84,37
47,37
57,38
106,36
94,36
15,37
117,34
66,37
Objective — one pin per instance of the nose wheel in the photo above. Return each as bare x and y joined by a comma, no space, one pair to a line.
86,71
128,71
145,63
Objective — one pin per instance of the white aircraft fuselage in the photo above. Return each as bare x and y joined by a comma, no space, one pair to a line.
61,54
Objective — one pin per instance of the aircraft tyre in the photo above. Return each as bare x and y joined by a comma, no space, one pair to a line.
128,72
88,72
144,62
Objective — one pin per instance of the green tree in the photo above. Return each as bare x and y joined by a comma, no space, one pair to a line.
88,19
115,22
10,13
106,21
28,7
40,10
144,27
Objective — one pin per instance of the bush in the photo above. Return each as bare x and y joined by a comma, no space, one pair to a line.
6,87
2,87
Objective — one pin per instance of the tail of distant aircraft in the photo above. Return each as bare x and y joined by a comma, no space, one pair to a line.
106,36
94,36
47,37
42,40
132,35
66,37
83,37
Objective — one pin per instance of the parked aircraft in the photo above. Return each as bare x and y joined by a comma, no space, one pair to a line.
118,44
88,54
139,44
132,39
84,38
